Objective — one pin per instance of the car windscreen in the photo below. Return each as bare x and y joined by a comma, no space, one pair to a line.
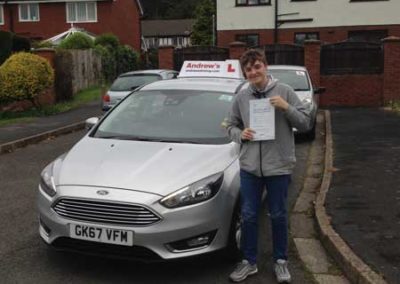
128,83
181,116
297,79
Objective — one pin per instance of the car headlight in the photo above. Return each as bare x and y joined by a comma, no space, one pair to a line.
307,101
194,193
47,180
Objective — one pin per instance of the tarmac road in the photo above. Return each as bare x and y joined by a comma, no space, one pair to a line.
25,259
364,198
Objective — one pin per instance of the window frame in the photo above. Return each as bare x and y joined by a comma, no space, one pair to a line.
369,33
29,12
2,20
247,35
367,0
306,33
252,5
67,15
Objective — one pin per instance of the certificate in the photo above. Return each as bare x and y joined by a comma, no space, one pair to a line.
262,119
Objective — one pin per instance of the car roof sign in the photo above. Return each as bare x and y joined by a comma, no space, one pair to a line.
215,69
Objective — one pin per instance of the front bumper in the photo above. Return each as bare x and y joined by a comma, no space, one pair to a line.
149,242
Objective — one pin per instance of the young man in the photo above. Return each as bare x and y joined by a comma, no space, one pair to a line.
265,163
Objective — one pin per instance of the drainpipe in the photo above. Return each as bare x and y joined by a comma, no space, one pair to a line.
276,23
10,15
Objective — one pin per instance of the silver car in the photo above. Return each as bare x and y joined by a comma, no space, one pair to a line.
127,82
156,178
299,79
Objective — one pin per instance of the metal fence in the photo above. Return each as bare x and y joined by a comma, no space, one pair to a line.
199,53
352,58
286,54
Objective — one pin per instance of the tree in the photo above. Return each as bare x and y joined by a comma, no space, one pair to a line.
169,9
203,26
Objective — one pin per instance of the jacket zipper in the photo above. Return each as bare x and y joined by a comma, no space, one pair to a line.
261,169
260,143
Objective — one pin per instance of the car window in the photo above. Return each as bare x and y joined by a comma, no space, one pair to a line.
185,116
130,82
297,79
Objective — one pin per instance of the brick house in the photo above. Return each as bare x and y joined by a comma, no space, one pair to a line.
255,21
167,32
43,19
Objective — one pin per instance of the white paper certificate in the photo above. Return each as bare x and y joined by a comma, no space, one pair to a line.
262,119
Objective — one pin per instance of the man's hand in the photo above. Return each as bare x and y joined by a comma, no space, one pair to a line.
279,103
247,134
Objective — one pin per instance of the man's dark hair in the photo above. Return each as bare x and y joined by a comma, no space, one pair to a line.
251,56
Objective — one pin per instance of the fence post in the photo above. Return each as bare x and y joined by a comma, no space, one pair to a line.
312,60
166,57
236,49
391,74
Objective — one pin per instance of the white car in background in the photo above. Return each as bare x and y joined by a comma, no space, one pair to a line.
299,79
127,82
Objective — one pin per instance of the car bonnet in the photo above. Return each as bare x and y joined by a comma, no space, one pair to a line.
154,167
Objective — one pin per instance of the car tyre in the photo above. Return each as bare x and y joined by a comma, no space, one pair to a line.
232,251
310,135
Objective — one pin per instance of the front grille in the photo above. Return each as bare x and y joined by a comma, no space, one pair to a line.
105,212
107,250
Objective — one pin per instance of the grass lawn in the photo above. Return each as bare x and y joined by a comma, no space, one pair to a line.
85,96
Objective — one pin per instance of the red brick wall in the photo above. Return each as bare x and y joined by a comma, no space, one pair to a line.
120,17
352,90
327,35
312,60
391,82
166,57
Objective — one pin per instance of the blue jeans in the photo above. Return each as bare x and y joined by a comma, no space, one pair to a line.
251,189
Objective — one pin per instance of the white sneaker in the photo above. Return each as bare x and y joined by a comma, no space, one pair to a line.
281,271
242,270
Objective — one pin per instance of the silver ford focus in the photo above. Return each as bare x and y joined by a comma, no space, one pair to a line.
155,178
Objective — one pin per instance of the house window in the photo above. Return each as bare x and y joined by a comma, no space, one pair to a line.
28,12
299,38
370,36
1,15
249,39
252,2
81,12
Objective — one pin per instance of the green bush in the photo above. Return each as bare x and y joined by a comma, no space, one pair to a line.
127,59
24,76
21,44
108,63
152,58
77,41
42,44
115,58
63,68
107,40
5,45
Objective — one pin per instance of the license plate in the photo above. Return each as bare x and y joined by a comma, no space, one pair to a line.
102,235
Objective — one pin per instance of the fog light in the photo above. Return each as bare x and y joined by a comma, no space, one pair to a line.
197,242
44,227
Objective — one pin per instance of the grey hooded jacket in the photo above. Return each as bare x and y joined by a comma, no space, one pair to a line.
269,157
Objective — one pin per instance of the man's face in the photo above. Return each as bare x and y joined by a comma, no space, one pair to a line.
256,73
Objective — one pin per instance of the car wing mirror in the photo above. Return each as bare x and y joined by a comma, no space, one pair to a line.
90,122
319,90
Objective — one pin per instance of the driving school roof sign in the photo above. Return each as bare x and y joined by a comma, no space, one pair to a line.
216,69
